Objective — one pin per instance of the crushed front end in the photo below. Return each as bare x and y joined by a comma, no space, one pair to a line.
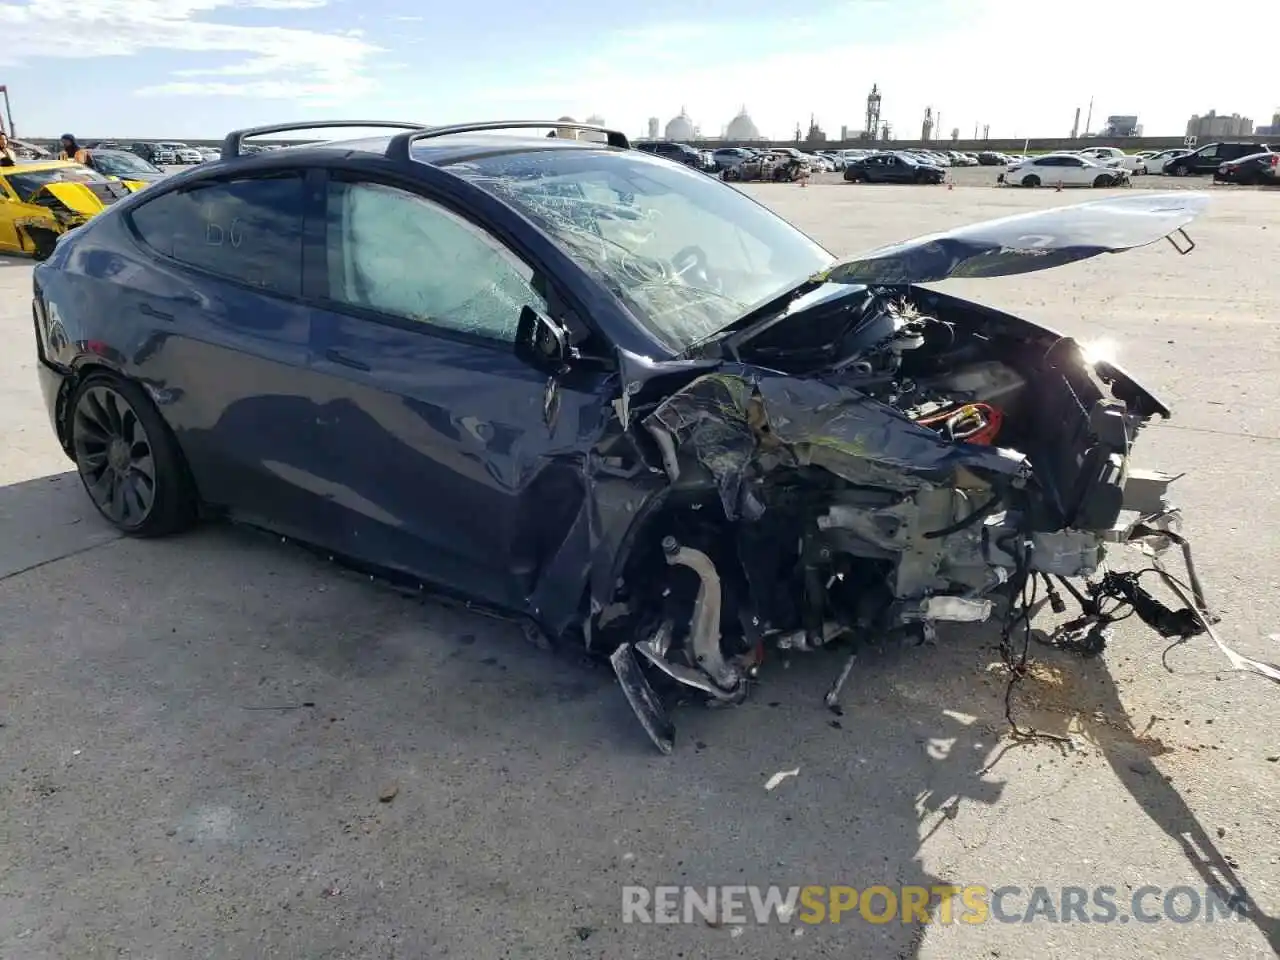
58,208
909,459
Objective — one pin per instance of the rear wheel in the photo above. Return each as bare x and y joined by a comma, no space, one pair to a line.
128,460
1031,180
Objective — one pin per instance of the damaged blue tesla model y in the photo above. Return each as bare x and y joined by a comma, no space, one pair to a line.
602,393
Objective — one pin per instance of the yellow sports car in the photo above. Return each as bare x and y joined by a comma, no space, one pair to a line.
41,201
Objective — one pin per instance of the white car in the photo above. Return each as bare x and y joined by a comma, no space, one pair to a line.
1155,162
181,152
1065,169
1115,157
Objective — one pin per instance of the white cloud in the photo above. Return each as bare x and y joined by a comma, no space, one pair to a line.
277,62
970,60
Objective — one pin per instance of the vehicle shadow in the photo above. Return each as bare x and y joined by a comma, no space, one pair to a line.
526,794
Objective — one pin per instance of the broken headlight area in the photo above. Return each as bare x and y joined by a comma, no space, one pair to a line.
63,215
929,475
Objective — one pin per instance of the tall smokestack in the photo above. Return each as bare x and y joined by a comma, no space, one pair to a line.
1075,127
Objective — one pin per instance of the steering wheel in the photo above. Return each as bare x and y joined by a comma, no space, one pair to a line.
693,267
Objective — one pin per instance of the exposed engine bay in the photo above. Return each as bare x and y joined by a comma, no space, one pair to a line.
900,460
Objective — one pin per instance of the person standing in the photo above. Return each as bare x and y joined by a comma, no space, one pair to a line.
71,150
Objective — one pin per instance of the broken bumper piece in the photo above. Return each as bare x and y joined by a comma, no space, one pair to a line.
985,557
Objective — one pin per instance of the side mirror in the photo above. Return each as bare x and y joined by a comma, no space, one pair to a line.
541,342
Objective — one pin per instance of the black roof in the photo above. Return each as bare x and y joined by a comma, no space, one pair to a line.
439,152
438,145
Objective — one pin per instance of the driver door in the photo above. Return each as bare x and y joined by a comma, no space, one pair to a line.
8,215
1206,160
450,458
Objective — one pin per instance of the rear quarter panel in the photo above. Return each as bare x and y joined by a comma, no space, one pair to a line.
198,345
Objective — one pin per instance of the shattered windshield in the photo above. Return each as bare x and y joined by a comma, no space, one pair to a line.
121,164
25,185
687,254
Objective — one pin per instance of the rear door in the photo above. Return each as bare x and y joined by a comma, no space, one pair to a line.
451,458
8,216
873,169
213,304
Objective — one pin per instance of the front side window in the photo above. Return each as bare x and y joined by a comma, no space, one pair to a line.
398,254
686,253
247,230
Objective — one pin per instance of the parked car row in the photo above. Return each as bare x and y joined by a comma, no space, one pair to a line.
161,153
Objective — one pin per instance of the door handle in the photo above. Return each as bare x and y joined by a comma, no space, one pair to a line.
151,311
337,356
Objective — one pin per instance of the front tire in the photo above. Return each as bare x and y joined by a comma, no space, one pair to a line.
1031,181
129,461
42,244
1104,181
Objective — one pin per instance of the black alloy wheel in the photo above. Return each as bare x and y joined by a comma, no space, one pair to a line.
128,461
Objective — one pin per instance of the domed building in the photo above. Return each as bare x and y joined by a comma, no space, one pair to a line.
565,133
742,127
591,135
681,127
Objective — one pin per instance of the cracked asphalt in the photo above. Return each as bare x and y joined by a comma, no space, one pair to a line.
219,746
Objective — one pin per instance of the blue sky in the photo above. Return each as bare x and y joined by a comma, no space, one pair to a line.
195,68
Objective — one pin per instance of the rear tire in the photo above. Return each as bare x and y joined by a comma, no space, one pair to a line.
1031,180
128,459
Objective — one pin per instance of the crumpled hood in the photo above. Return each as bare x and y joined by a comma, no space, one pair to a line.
1026,242
77,196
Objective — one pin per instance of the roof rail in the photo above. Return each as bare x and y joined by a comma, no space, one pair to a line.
231,143
400,145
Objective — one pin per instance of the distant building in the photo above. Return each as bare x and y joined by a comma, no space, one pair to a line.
1273,130
592,135
742,127
567,133
654,123
1122,126
816,134
681,127
1213,127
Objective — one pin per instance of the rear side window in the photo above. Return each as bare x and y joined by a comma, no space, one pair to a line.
249,230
